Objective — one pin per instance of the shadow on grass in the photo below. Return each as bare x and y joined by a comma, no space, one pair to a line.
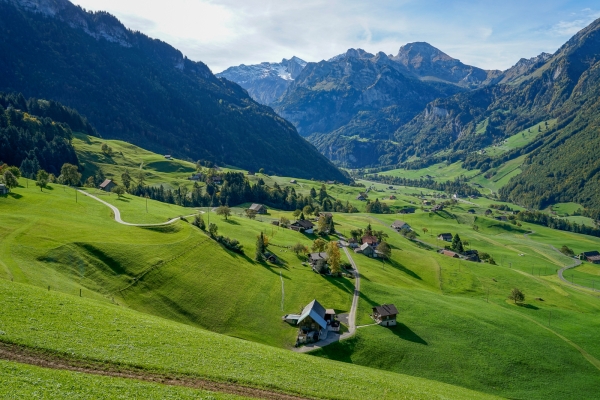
405,333
423,245
529,306
231,222
344,284
402,268
123,199
15,196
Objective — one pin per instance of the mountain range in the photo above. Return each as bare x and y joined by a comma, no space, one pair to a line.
265,82
352,105
144,91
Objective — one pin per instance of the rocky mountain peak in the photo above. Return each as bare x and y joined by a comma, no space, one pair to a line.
419,53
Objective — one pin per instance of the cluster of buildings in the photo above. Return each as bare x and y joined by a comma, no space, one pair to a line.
316,322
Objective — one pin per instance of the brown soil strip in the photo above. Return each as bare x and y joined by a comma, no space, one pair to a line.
25,355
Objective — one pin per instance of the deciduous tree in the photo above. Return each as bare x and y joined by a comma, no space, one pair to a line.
224,211
41,179
334,257
516,295
10,180
70,174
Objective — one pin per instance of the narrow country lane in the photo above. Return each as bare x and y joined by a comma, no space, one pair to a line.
118,213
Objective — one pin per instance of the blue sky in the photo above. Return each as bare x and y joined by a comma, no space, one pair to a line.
487,34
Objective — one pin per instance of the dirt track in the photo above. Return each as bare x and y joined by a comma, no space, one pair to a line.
21,354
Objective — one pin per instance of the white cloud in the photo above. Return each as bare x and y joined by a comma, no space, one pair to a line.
231,32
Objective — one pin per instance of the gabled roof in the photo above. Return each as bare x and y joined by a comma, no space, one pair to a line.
106,183
256,207
316,311
449,253
398,224
445,235
318,256
590,253
386,310
369,239
306,224
364,246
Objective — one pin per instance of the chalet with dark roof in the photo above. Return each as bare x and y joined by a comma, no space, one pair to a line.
385,315
590,256
303,225
408,210
446,237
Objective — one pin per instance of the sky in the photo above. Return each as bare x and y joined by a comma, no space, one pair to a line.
487,34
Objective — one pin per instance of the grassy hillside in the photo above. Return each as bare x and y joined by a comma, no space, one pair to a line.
113,334
178,272
21,381
455,320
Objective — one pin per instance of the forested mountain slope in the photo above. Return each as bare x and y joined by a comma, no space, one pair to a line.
37,134
134,88
561,164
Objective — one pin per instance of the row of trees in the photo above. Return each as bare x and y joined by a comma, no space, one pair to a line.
459,185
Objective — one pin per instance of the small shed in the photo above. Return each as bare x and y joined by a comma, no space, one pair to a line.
471,211
107,185
259,208
3,189
293,181
385,315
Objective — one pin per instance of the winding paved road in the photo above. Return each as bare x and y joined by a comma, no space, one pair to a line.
118,213
333,337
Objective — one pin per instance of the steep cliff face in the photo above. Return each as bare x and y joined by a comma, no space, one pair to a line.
265,82
135,88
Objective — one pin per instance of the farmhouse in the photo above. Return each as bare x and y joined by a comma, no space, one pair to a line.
409,210
293,181
318,261
250,173
326,214
426,203
196,177
438,207
446,237
303,225
259,208
370,240
168,156
399,225
385,315
312,322
390,187
107,185
590,256
361,197
471,211
471,255
392,197
366,250
3,189
217,180
502,218
449,253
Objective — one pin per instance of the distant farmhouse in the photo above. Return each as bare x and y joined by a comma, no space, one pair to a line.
107,185
446,237
303,225
502,218
365,249
318,261
392,197
385,315
399,225
370,240
409,210
259,208
168,157
361,197
449,253
590,256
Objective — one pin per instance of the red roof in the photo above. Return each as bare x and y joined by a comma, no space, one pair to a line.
369,239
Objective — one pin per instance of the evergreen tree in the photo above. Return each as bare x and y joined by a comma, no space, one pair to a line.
260,247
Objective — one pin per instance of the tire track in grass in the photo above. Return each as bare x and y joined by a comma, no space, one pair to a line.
45,359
